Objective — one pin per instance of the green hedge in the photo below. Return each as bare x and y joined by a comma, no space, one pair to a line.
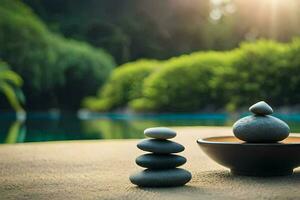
124,85
57,72
290,76
185,83
263,70
255,74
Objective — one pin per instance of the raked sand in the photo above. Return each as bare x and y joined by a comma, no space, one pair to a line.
99,170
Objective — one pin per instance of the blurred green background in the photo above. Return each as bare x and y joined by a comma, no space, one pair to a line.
204,57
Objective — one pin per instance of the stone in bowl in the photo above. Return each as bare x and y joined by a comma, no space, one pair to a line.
261,129
253,159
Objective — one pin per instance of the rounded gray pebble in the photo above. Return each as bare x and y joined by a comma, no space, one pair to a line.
160,161
160,133
261,108
261,129
161,178
160,146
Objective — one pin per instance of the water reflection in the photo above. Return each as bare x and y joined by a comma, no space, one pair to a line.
70,127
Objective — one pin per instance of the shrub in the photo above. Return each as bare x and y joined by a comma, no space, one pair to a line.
56,71
184,83
124,85
263,70
289,77
255,74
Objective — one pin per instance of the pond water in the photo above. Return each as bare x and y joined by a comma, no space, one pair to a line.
56,127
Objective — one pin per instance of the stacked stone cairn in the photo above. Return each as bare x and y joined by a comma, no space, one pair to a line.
161,163
261,127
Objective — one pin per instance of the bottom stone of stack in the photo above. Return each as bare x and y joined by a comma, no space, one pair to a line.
161,178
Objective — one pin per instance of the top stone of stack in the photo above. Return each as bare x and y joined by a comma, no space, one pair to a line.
162,133
261,108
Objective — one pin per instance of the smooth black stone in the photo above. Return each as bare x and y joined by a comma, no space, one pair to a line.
160,161
261,129
160,133
160,146
261,108
161,178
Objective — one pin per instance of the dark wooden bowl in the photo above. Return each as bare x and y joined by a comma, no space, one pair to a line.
253,159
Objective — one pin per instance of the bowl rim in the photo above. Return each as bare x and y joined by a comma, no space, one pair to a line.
242,143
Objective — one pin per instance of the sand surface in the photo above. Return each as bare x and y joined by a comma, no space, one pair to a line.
100,170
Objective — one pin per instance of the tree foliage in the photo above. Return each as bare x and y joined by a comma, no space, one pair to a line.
134,29
57,72
10,86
